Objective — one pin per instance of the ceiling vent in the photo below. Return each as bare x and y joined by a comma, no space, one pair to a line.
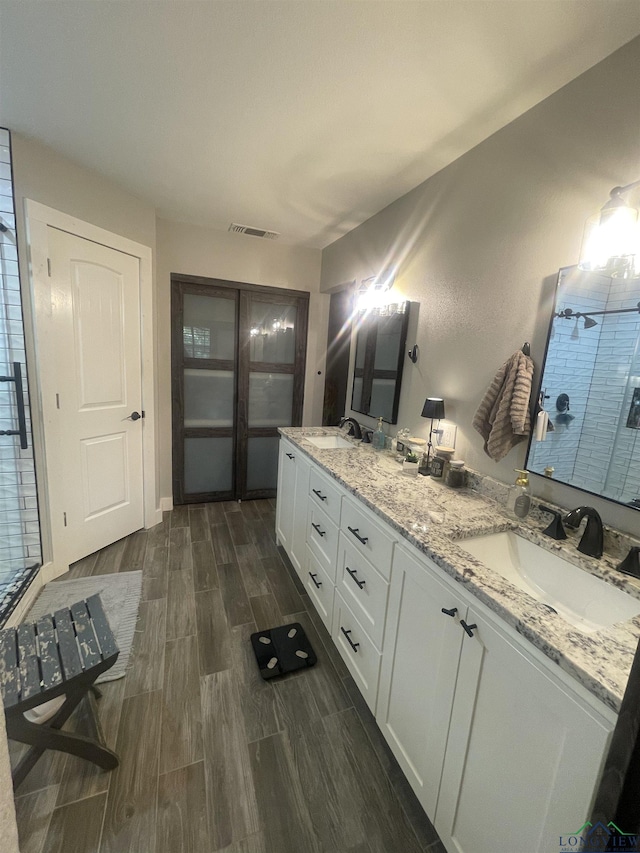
253,232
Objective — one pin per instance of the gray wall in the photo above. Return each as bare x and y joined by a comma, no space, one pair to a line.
478,246
45,176
194,250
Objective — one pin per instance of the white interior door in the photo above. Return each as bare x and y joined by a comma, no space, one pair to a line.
95,314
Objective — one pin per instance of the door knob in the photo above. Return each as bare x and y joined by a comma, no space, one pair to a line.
134,416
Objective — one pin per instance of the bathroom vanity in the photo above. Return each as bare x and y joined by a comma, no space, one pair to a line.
498,709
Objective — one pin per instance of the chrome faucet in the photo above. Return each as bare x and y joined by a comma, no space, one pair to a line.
354,426
592,538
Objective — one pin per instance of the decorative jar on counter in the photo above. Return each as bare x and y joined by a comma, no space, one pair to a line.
456,476
439,463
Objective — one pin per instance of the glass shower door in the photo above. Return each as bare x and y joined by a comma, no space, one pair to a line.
20,550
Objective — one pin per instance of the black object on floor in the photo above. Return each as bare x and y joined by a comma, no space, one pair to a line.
283,649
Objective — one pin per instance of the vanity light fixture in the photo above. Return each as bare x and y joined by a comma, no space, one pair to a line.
433,408
611,239
374,295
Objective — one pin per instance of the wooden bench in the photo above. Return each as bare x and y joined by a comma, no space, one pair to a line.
59,655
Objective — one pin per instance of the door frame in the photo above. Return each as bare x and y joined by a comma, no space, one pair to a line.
38,218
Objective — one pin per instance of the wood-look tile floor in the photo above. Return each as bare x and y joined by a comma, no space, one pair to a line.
213,758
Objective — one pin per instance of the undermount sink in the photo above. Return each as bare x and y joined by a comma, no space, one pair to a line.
587,602
328,442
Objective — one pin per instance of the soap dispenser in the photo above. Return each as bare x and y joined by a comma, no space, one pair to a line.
519,498
379,437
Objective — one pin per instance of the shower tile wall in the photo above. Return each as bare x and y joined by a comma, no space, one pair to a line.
599,368
570,372
19,526
616,375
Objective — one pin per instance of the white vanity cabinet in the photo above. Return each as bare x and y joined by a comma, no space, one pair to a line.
524,752
502,748
501,751
291,506
421,655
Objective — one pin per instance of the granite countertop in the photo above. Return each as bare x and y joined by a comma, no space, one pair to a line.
600,661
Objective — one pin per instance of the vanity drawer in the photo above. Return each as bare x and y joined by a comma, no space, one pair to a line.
327,495
363,588
366,532
320,588
360,655
322,539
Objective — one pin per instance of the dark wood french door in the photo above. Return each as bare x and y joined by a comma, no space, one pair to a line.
238,357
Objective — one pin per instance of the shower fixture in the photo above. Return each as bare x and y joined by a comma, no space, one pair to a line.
589,322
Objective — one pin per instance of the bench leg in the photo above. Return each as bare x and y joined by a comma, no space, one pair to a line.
49,736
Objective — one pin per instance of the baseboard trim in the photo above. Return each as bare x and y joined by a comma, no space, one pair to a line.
166,505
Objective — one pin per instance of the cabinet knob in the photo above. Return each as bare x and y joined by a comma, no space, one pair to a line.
468,628
313,578
319,494
316,527
290,456
451,612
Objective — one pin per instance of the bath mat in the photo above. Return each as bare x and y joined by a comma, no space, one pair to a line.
283,649
120,594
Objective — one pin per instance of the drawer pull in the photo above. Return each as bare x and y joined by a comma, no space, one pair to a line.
313,578
356,533
468,628
316,527
354,575
319,494
353,645
451,612
290,455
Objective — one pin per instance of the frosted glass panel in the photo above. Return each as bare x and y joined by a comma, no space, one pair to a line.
262,463
209,327
273,332
356,400
270,399
361,348
208,398
382,391
388,342
207,465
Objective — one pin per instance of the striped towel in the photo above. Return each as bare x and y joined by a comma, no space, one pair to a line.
503,417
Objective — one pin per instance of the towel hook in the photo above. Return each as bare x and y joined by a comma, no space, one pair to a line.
526,348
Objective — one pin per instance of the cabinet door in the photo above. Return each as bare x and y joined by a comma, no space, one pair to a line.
322,539
298,552
291,506
286,498
419,666
358,652
320,588
524,752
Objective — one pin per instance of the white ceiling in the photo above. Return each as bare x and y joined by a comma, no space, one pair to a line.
299,116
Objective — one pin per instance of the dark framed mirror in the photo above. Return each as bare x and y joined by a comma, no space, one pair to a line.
590,387
379,360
